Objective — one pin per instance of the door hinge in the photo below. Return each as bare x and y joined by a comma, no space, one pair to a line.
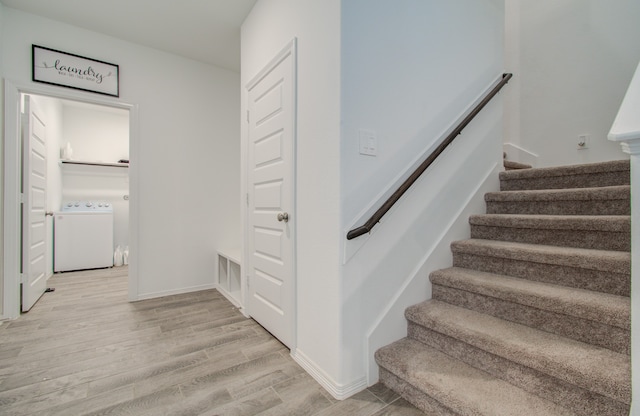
23,279
247,281
22,198
247,198
247,116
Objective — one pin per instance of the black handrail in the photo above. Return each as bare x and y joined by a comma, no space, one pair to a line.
377,216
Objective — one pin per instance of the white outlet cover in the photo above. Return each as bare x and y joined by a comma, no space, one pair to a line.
583,142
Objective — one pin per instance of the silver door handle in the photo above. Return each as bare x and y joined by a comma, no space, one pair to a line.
283,216
48,213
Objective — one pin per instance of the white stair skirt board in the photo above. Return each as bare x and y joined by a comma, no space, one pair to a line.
518,154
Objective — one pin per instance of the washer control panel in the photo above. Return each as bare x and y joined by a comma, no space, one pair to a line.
87,206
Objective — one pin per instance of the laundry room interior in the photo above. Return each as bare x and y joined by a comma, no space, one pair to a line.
87,164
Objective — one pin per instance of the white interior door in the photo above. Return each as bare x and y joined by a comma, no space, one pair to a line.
271,217
34,279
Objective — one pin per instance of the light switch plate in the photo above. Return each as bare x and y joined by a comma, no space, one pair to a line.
368,142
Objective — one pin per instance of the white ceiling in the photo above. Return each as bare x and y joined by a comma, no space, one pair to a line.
204,30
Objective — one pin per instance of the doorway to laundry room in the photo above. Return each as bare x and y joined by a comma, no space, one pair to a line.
86,194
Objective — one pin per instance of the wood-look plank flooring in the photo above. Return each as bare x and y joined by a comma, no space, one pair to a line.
85,350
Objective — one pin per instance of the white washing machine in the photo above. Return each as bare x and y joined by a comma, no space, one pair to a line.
83,236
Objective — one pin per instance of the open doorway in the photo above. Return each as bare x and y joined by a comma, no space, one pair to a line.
100,134
87,181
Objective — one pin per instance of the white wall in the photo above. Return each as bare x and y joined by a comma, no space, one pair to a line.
188,147
316,24
96,134
572,62
377,66
410,70
2,158
407,75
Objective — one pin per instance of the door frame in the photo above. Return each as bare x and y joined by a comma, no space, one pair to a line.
12,179
289,49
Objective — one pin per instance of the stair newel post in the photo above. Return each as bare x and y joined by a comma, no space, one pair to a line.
626,131
632,147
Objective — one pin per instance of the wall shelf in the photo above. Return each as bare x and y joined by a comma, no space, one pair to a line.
86,163
230,276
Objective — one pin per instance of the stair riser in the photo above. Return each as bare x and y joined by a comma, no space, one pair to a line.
589,180
418,398
595,333
601,281
598,240
579,400
611,207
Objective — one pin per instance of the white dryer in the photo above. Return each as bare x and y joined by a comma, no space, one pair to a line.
83,236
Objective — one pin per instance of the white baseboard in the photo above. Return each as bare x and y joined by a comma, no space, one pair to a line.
180,291
338,391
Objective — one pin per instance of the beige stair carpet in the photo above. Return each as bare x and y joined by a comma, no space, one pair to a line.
534,316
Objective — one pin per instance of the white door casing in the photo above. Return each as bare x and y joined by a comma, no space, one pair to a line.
13,187
34,245
271,214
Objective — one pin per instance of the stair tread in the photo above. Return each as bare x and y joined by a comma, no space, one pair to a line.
611,223
510,164
574,194
580,303
460,387
581,169
602,260
597,369
562,177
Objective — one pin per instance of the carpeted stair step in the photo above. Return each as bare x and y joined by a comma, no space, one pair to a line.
601,232
511,165
597,270
536,303
593,317
575,176
441,385
609,200
580,376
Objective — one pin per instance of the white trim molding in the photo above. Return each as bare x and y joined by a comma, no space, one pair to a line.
163,293
519,154
12,176
338,391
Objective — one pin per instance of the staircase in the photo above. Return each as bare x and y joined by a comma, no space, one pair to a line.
534,316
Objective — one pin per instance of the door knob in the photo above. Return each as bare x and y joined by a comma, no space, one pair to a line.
283,216
48,214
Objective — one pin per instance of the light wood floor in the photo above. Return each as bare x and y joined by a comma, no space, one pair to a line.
85,350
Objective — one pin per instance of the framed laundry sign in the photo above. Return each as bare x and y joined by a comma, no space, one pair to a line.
73,71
